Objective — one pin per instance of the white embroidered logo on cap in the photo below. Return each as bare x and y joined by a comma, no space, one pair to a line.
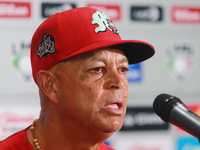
104,22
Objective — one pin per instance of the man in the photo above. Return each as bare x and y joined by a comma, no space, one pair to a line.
79,63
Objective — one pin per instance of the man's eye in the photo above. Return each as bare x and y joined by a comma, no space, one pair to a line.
124,69
97,69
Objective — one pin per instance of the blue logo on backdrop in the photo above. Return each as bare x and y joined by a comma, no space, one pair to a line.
188,143
107,143
135,73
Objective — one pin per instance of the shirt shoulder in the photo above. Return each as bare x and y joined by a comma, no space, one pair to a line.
105,147
17,141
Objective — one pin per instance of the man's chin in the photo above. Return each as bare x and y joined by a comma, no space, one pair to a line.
113,127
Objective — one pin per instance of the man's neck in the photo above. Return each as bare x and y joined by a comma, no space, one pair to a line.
51,137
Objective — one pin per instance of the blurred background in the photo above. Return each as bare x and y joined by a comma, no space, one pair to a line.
172,27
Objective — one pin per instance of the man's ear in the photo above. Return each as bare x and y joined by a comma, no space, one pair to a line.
46,81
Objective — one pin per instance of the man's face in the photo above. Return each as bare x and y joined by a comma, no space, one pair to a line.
93,89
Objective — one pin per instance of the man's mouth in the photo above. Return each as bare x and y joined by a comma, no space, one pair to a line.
115,107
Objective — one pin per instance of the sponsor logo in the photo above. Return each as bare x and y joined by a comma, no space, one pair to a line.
185,15
145,147
113,11
13,119
15,9
147,13
142,118
188,143
49,9
104,22
135,73
147,142
108,142
195,108
47,46
179,59
21,58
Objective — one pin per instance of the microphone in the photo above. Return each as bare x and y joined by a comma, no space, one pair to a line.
171,109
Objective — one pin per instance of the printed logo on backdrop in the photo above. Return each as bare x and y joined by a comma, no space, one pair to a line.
147,13
20,51
135,73
108,142
144,142
179,59
15,9
194,107
13,119
49,9
112,11
142,118
188,143
185,14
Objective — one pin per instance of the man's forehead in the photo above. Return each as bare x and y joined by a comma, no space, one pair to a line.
104,53
98,55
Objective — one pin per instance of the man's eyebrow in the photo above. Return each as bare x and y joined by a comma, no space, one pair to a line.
97,59
124,60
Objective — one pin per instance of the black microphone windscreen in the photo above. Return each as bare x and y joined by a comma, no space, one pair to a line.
163,104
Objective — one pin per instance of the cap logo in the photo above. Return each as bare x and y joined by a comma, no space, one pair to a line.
104,22
47,46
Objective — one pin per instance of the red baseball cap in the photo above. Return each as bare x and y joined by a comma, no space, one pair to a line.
77,31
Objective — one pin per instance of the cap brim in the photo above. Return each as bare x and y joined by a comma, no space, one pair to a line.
136,51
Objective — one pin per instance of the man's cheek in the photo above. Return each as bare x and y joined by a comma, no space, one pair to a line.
125,91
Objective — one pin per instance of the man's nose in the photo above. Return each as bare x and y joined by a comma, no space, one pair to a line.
114,80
